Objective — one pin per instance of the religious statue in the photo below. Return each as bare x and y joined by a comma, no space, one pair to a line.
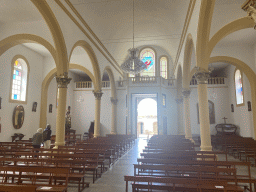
251,11
68,119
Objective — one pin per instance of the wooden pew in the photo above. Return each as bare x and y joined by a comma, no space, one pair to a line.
17,188
246,178
188,155
35,176
71,165
178,184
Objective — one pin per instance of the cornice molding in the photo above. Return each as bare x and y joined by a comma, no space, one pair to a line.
108,56
184,32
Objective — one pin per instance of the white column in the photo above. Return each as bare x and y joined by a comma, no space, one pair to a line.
98,95
62,82
202,80
180,116
113,121
186,94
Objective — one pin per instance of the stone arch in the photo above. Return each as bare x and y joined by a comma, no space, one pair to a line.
14,40
187,60
45,86
236,25
203,33
57,35
94,61
250,75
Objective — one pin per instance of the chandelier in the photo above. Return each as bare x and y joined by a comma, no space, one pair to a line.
133,64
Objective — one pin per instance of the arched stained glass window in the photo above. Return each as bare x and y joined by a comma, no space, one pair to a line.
239,87
148,57
19,80
163,67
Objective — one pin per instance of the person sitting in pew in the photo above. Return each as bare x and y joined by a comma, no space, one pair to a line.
37,138
47,136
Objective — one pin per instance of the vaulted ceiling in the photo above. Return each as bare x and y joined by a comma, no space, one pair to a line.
156,22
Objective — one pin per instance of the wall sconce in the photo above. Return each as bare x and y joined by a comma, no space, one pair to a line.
80,99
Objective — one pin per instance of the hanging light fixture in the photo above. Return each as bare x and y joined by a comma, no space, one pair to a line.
133,64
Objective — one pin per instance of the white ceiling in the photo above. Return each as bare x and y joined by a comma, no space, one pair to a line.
18,11
156,22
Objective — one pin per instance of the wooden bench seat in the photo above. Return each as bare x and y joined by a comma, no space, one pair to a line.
36,176
178,184
241,178
78,168
189,155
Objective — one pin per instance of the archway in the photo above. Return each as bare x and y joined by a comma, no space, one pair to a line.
147,117
94,62
249,74
45,86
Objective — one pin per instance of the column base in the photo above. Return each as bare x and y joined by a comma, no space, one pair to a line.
96,135
58,144
206,148
113,133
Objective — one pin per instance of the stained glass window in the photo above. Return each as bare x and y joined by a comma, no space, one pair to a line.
163,67
239,87
19,80
148,57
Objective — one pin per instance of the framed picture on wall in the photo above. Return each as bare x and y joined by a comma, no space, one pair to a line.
34,106
50,108
232,108
249,105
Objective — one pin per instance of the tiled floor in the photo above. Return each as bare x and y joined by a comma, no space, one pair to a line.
113,179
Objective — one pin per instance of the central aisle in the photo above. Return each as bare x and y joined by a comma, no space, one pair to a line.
113,179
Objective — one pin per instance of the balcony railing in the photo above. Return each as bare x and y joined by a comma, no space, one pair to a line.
211,81
89,84
84,84
105,84
143,79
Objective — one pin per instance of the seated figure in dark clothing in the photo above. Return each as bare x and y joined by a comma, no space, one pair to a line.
91,130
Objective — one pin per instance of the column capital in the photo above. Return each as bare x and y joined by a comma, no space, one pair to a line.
202,75
179,100
63,80
113,100
97,94
186,92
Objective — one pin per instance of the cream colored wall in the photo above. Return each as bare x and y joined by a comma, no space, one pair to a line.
221,105
84,112
82,59
35,27
31,121
242,52
230,12
241,116
51,117
49,64
105,112
122,111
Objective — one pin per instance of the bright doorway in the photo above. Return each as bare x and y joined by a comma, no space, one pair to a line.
147,118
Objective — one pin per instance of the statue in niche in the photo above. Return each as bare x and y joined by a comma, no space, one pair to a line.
211,112
68,120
